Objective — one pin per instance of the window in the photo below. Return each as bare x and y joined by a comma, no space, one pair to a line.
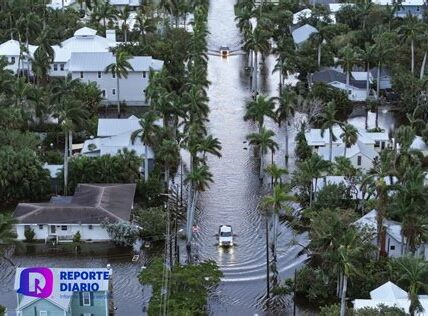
40,226
383,145
86,298
113,75
113,91
64,227
99,74
377,144
144,74
55,67
90,226
392,248
104,93
61,66
12,60
349,91
27,227
43,313
81,74
359,160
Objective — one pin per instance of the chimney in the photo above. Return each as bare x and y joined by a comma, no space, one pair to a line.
111,35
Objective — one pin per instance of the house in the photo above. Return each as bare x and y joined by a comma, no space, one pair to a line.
120,4
60,4
91,67
357,89
355,191
390,295
385,80
394,242
361,154
405,7
114,135
419,144
65,302
62,217
85,56
301,15
302,34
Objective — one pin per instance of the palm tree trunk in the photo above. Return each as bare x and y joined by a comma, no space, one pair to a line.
377,117
192,214
70,143
343,298
146,163
330,154
66,163
344,151
118,95
166,179
424,61
255,72
412,49
286,144
366,123
311,190
378,80
261,163
368,81
319,54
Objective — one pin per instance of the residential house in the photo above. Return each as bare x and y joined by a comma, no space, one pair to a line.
354,189
357,89
302,34
120,4
394,242
361,154
405,7
66,303
391,295
91,67
84,212
85,56
385,80
61,4
114,135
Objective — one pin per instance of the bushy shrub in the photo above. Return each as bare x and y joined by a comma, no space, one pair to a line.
122,233
29,234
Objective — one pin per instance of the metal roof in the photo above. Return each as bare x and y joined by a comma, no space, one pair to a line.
303,33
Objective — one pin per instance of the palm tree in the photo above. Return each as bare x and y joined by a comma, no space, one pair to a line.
7,234
120,69
276,173
198,179
257,110
210,145
124,15
348,58
104,11
410,30
71,115
148,133
285,111
349,136
328,119
384,43
169,154
413,272
263,140
368,56
276,202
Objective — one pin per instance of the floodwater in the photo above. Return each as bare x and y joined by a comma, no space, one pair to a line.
232,199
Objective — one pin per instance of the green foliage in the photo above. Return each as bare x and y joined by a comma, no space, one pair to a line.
17,139
328,93
333,196
189,287
2,310
152,222
381,310
22,176
77,237
121,233
29,234
122,168
303,150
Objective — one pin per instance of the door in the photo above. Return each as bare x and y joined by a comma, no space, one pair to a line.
53,229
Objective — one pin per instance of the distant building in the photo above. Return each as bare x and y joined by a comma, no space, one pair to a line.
66,303
302,34
357,88
406,7
390,295
62,217
85,56
394,241
361,154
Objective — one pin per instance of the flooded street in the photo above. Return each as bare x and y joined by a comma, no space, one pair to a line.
232,199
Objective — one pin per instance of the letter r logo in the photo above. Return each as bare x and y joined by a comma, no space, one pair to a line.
36,282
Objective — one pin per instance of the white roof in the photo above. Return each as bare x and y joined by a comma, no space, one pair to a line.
302,14
419,144
303,33
358,149
59,298
336,7
337,180
110,127
85,31
125,2
404,3
388,291
369,221
361,75
58,4
54,170
11,48
98,61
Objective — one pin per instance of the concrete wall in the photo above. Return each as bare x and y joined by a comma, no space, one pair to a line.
97,233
